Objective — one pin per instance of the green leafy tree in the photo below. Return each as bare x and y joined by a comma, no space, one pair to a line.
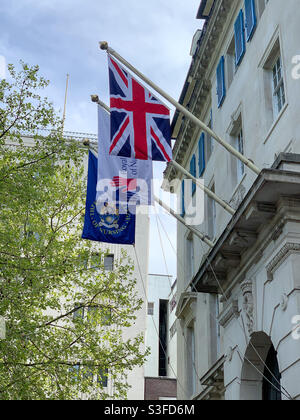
65,313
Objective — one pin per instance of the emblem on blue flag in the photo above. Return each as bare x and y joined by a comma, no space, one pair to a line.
106,221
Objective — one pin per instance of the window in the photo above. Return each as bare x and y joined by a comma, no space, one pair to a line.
163,337
190,258
278,86
102,377
74,372
239,145
95,261
239,33
274,85
150,308
182,198
193,172
106,315
211,215
235,130
209,144
221,88
78,311
201,154
230,62
109,262
191,359
88,373
250,18
215,331
92,313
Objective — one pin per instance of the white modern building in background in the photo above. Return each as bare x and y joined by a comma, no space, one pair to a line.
161,337
239,302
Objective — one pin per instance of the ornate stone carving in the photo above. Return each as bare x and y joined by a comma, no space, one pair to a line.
248,305
284,300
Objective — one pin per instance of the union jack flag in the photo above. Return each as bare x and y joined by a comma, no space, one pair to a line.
140,123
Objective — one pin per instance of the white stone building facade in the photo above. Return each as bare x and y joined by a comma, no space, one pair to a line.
239,302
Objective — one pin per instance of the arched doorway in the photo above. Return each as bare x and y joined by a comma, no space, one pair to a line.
261,377
272,377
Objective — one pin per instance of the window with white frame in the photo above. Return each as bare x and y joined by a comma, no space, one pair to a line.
278,86
191,359
102,377
209,141
230,63
151,308
235,130
239,145
109,262
274,85
190,257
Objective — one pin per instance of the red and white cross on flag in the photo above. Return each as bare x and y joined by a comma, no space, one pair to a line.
140,123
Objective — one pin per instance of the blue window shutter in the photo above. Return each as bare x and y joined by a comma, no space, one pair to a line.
221,89
182,199
240,44
250,18
201,149
193,172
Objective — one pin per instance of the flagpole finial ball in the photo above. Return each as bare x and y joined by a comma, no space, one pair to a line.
95,98
103,45
86,142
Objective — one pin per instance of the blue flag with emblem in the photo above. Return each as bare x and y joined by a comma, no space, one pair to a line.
108,222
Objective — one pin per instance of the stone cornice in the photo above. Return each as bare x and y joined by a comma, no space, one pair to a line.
256,223
229,312
288,249
185,299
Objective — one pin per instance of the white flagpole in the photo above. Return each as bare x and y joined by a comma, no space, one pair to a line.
207,191
65,103
181,108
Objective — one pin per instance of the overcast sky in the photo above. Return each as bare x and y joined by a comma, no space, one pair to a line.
62,36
